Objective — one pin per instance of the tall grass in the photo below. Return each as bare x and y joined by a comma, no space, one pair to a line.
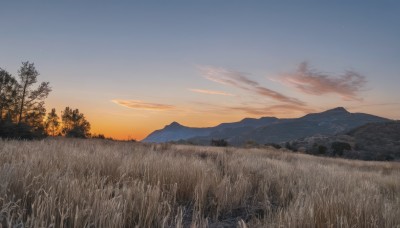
97,183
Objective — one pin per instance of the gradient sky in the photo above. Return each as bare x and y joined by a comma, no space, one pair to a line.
132,68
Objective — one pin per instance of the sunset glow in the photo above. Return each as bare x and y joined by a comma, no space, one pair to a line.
133,68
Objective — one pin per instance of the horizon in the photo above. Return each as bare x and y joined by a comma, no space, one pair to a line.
334,108
133,68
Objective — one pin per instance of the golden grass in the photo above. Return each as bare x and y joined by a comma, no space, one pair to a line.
97,183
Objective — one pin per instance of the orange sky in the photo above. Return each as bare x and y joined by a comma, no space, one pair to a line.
134,67
234,96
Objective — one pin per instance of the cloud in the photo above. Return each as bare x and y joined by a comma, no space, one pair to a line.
241,81
141,105
255,109
309,81
212,92
273,110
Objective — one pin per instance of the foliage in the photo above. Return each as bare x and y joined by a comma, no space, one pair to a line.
75,124
219,142
22,109
52,123
21,104
274,145
322,149
8,93
339,148
291,146
317,149
98,136
31,101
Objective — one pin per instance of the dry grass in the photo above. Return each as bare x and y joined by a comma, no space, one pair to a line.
94,183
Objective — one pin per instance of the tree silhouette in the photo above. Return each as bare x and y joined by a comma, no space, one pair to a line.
8,93
52,123
75,124
31,101
21,106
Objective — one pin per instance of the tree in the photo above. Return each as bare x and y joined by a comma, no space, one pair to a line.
75,124
8,93
339,147
21,106
31,101
52,123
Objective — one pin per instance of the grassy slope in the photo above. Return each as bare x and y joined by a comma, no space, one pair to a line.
77,183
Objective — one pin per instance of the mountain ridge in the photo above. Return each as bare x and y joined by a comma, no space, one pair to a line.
267,129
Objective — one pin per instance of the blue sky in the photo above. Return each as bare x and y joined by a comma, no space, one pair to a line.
96,54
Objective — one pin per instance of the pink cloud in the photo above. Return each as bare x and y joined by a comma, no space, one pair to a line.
240,80
211,92
309,81
141,105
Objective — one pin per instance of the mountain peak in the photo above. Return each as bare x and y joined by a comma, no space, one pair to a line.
337,110
174,125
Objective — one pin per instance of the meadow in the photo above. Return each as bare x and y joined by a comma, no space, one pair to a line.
100,183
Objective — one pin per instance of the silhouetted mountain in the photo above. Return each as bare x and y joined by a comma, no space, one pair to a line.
175,132
268,129
372,141
378,140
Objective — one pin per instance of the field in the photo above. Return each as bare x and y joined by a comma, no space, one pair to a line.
100,183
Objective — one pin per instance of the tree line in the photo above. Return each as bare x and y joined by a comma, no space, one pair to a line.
23,113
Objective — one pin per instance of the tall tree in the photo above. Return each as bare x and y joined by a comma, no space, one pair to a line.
31,101
52,123
8,93
75,124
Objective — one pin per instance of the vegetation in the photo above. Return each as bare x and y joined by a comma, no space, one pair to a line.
100,183
52,123
340,147
75,124
22,109
274,145
219,142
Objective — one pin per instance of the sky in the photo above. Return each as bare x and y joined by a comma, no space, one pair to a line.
135,66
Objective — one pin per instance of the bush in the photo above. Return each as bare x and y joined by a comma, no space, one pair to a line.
274,145
322,149
291,147
10,130
339,148
219,142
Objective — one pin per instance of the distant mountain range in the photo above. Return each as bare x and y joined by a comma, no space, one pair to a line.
267,129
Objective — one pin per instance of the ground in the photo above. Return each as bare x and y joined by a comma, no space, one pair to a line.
100,183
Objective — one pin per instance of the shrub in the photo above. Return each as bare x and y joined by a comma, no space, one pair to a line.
219,142
274,145
339,148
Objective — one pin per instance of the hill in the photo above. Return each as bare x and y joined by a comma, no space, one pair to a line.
372,141
267,129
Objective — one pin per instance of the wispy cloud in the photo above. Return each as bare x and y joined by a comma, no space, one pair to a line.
142,105
255,109
313,82
273,110
242,81
211,92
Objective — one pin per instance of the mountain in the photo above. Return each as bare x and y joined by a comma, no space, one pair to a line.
378,140
371,141
267,129
175,132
